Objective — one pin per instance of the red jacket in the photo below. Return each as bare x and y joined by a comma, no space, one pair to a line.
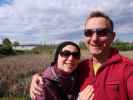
113,81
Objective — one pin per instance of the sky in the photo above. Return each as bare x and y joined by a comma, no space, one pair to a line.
53,21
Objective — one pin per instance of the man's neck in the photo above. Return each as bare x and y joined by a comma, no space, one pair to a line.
101,58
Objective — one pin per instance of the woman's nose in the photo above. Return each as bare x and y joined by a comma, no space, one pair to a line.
71,57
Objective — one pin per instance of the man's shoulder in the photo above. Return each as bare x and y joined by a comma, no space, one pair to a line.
127,66
127,60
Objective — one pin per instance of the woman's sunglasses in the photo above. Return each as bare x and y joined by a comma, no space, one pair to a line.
67,53
100,32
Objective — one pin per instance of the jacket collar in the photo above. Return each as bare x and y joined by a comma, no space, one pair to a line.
114,57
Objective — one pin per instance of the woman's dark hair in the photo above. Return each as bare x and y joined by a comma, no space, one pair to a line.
59,49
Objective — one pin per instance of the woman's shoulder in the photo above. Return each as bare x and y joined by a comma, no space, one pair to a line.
47,73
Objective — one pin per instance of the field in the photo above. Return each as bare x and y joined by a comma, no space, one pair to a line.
125,53
16,72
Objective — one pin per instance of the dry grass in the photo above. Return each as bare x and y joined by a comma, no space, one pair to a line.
128,54
16,71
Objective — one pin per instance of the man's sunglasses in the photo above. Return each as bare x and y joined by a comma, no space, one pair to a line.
100,32
67,53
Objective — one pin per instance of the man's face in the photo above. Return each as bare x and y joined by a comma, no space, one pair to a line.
98,37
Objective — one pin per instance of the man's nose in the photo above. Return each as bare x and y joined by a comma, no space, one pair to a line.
94,36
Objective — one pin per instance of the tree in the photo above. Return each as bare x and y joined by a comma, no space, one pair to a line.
7,47
16,43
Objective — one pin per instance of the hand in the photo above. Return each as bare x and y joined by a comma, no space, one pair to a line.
87,93
36,86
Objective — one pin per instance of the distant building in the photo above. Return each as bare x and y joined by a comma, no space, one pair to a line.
25,47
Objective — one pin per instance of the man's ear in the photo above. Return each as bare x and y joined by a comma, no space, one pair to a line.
113,35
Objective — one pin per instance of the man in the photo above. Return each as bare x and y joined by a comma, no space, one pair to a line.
110,73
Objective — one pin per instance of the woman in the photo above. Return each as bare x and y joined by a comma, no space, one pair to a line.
60,78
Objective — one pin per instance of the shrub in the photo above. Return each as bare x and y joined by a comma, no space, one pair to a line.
6,47
122,45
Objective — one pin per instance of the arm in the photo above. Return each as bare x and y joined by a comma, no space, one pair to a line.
36,86
87,93
51,91
47,93
129,86
129,79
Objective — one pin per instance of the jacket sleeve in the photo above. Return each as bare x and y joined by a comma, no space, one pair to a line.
130,81
48,92
130,87
45,95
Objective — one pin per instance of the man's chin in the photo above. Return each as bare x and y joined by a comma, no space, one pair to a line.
95,52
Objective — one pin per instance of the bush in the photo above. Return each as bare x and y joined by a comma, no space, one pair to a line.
6,48
123,46
4,85
44,48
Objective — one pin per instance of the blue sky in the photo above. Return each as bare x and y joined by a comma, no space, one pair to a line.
51,21
5,2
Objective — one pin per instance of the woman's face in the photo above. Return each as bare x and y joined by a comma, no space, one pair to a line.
68,59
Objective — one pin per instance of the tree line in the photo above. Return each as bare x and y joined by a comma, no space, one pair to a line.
120,45
6,48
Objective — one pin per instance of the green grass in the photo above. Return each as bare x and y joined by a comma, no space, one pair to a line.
14,98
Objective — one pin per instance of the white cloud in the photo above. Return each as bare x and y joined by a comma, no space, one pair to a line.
44,18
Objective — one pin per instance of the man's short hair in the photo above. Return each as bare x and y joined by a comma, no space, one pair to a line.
100,14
